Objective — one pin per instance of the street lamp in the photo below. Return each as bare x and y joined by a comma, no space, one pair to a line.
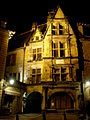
84,86
3,86
11,81
87,84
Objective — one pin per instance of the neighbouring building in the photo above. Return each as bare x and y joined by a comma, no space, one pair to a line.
84,37
5,35
51,60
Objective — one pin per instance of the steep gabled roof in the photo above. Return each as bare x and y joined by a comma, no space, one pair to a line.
52,13
19,40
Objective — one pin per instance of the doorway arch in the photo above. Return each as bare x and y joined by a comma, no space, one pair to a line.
61,100
33,102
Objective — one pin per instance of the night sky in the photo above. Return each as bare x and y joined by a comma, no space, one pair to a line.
21,14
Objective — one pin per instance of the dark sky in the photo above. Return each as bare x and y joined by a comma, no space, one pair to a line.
20,14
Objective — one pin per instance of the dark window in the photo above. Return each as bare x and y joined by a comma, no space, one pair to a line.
86,30
60,74
18,76
37,54
11,60
60,29
54,30
58,49
14,76
36,75
37,37
62,49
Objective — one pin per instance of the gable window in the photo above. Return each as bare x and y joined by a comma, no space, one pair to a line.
58,49
60,29
57,30
54,29
60,74
36,75
11,60
37,54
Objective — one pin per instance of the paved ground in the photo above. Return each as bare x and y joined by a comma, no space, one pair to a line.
48,116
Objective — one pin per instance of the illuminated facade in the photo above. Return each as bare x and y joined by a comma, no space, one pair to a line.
49,63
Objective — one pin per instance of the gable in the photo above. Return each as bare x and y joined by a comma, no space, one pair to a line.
37,35
59,13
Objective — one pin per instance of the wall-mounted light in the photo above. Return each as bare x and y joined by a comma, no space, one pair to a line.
11,81
87,83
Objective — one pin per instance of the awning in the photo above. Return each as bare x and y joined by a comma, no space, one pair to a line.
12,91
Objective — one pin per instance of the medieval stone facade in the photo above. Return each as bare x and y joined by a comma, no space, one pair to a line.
49,63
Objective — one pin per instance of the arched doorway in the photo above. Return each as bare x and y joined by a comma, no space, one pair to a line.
60,100
33,103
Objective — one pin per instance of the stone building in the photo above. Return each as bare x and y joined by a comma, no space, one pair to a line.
5,35
84,37
49,61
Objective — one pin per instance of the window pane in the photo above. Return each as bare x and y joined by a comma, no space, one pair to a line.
38,79
18,76
61,45
55,52
62,53
53,26
13,59
34,50
39,49
63,70
37,37
60,32
8,60
53,32
63,77
60,26
14,76
33,79
39,56
57,77
38,71
34,56
33,71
